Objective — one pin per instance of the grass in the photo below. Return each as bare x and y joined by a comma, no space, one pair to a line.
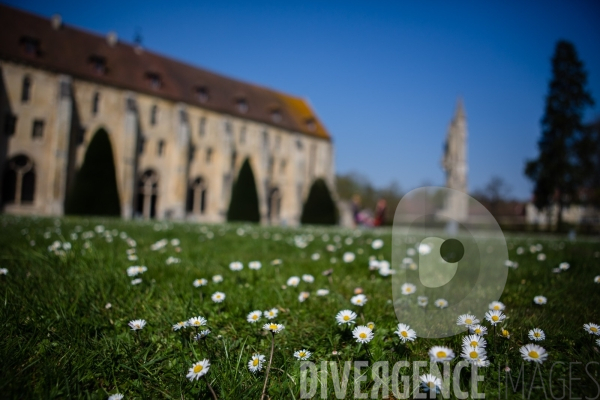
60,340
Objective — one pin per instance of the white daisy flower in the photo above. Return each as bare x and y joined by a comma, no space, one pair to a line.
497,306
315,256
537,334
408,288
494,317
424,249
218,297
175,242
276,261
116,396
345,317
473,354
362,334
540,300
200,282
541,257
467,320
597,279
377,244
564,266
137,324
3,271
217,279
422,301
136,281
272,313
196,321
132,257
441,303
308,278
505,333
473,341
293,281
198,369
592,328
303,296
254,316
405,333
440,353
180,325
236,266
359,300
255,265
533,352
202,334
348,257
273,327
430,383
302,354
135,270
322,292
482,363
479,330
256,363
597,342
371,325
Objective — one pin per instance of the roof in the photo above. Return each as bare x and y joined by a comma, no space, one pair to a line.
33,40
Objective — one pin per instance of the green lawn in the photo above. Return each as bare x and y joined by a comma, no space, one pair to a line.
61,339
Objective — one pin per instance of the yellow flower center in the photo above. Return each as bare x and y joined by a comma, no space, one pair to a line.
431,384
346,317
302,354
504,332
404,334
536,334
473,354
371,326
495,318
255,316
255,362
441,354
533,354
474,343
469,321
362,335
496,307
478,331
198,368
137,325
594,329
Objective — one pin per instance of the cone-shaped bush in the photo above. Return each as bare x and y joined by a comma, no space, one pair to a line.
244,198
319,208
95,190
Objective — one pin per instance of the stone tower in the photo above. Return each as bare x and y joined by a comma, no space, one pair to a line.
454,164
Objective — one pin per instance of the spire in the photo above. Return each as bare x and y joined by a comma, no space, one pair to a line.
460,109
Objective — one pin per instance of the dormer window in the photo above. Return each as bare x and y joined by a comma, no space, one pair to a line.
311,124
242,105
154,80
98,64
276,115
202,94
31,45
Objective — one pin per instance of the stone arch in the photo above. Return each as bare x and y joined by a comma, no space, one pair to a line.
18,183
197,197
147,201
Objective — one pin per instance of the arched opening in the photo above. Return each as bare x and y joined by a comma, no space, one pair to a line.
274,205
244,197
196,197
19,181
147,194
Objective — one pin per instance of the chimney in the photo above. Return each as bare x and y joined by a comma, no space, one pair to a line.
56,21
111,38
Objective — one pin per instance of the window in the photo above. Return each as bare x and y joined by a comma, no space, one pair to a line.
183,117
196,197
26,90
276,116
153,115
242,105
10,123
95,103
18,186
154,80
265,139
243,135
141,144
299,144
271,166
80,135
98,64
208,155
202,94
311,124
38,129
202,126
277,142
228,128
192,153
30,45
161,147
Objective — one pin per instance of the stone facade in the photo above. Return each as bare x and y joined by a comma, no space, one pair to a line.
174,158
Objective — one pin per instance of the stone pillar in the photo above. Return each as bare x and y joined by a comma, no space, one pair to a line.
127,172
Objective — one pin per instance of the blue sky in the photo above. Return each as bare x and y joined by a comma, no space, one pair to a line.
382,76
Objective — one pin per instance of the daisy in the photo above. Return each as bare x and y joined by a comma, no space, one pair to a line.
345,317
202,334
441,303
359,300
135,270
505,333
533,352
218,297
537,334
3,271
308,278
430,382
254,316
440,353
408,288
196,322
136,281
322,292
256,363
598,342
315,256
116,396
236,266
303,296
273,327
405,333
255,265
272,313
541,257
293,281
137,324
276,261
362,334
467,320
302,354
597,279
495,317
564,266
371,325
473,354
198,369
540,300
592,328
377,244
497,306
348,257
217,279
422,301
473,341
200,282
479,330
179,325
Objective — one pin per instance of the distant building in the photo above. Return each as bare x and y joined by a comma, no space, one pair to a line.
179,133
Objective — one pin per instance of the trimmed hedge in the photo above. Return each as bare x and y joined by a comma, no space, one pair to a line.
244,198
95,190
319,208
